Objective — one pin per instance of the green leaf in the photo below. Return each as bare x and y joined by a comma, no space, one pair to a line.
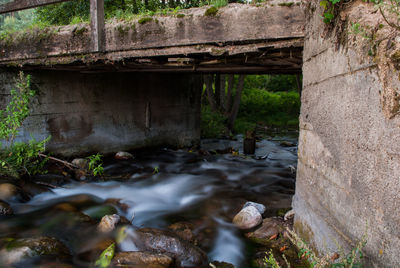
106,256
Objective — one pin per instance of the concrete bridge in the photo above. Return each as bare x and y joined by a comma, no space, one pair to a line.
265,38
348,169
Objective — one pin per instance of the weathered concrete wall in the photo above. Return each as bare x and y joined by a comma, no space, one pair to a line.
349,154
111,111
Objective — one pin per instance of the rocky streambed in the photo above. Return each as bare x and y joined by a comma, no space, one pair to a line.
162,208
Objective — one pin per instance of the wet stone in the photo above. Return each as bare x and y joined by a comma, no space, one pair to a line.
271,227
218,264
137,259
108,223
5,208
183,230
249,217
260,207
8,191
15,250
168,243
123,156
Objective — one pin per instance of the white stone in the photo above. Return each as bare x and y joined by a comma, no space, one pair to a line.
107,223
247,218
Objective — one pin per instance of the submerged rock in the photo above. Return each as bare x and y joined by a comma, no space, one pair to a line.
249,217
16,250
108,223
137,259
123,156
168,243
260,207
217,264
5,208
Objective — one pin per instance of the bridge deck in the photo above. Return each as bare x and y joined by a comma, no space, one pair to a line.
266,38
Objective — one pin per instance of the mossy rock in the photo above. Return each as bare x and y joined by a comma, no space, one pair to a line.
98,212
145,20
14,250
180,16
212,11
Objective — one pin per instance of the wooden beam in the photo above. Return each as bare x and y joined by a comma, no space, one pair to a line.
18,5
97,25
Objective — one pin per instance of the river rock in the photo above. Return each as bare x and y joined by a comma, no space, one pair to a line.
5,208
249,217
287,144
108,223
137,259
8,191
17,249
168,243
270,227
260,207
183,230
98,212
83,165
123,156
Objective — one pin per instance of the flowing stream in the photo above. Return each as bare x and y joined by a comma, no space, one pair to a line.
162,187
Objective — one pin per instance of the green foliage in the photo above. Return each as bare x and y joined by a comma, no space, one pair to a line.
96,164
351,260
271,83
280,109
212,123
106,256
270,261
17,158
329,9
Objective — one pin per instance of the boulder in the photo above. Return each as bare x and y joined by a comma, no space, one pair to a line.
108,223
5,208
15,250
249,217
168,243
260,207
137,259
123,156
8,191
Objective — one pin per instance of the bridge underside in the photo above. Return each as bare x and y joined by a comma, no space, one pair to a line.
278,57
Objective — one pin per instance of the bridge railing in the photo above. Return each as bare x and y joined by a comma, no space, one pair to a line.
97,23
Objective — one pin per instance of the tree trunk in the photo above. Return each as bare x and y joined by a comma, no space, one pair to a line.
217,94
163,3
146,4
135,9
208,80
236,103
231,82
222,92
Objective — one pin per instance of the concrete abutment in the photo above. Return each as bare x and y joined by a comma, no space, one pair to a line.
106,112
349,162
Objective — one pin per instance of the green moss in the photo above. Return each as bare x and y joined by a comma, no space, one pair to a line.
212,11
122,29
180,16
80,31
145,20
286,4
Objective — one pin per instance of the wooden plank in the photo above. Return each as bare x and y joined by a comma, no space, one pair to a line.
17,5
97,24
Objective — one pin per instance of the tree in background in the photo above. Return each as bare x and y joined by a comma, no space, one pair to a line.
223,96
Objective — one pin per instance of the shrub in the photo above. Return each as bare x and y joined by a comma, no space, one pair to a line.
212,124
17,158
